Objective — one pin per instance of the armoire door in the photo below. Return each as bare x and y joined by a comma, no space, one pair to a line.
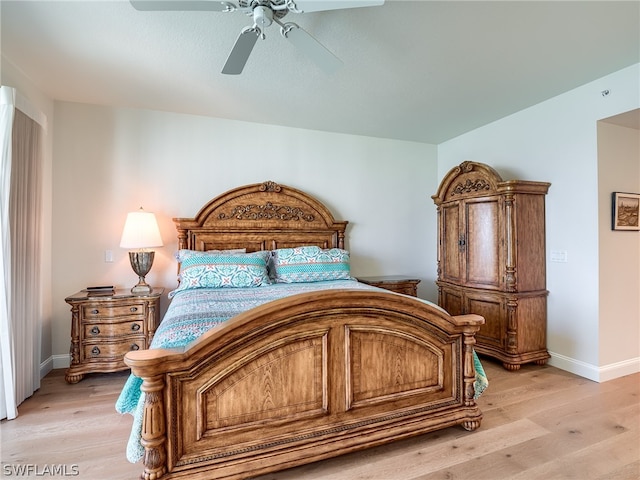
482,243
492,307
451,235
451,299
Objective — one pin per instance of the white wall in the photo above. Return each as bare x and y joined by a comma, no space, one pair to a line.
619,171
108,161
556,141
13,77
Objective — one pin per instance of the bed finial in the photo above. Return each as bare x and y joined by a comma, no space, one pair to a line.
270,186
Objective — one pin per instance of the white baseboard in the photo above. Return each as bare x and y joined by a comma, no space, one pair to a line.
574,366
53,362
619,369
61,361
594,372
46,367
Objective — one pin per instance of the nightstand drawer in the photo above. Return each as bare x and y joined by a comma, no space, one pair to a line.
109,330
111,350
404,288
109,310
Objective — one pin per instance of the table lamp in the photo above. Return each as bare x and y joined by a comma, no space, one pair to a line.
141,233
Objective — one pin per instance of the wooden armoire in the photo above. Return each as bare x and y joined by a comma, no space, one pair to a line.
491,260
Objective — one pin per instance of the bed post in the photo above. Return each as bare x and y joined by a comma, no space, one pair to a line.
182,238
153,429
469,373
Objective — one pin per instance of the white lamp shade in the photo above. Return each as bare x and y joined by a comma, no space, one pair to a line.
141,231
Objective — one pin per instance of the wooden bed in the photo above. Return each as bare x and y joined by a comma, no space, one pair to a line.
304,378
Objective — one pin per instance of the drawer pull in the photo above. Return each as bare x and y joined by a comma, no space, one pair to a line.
135,347
134,309
135,327
95,351
95,311
95,330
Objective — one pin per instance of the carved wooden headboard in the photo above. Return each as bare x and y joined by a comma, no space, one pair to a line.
262,216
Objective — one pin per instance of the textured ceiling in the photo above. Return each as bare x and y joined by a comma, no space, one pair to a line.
422,71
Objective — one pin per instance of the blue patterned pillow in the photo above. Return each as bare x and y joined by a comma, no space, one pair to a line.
223,270
310,264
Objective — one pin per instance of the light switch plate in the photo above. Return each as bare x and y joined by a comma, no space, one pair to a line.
559,256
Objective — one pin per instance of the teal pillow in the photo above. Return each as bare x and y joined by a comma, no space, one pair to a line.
223,270
310,264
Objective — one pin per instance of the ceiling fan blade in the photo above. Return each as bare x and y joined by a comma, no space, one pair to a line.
183,5
312,48
241,51
320,5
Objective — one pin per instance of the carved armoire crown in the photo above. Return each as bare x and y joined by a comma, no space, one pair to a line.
491,260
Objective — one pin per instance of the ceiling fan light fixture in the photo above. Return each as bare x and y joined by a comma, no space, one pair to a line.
262,16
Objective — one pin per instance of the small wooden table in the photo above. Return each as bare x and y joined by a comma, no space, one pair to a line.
395,283
104,329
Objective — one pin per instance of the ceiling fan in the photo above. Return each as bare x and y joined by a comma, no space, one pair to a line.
264,13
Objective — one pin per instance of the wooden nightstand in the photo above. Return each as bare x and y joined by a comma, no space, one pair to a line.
395,283
104,329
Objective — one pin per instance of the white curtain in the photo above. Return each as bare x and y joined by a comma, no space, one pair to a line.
20,219
8,407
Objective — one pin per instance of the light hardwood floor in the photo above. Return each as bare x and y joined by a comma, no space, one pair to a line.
539,423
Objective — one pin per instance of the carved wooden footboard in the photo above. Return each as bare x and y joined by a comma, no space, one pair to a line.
305,378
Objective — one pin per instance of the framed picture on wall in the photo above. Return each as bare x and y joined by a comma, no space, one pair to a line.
626,207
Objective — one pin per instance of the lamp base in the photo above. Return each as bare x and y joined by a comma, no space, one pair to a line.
141,289
141,263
